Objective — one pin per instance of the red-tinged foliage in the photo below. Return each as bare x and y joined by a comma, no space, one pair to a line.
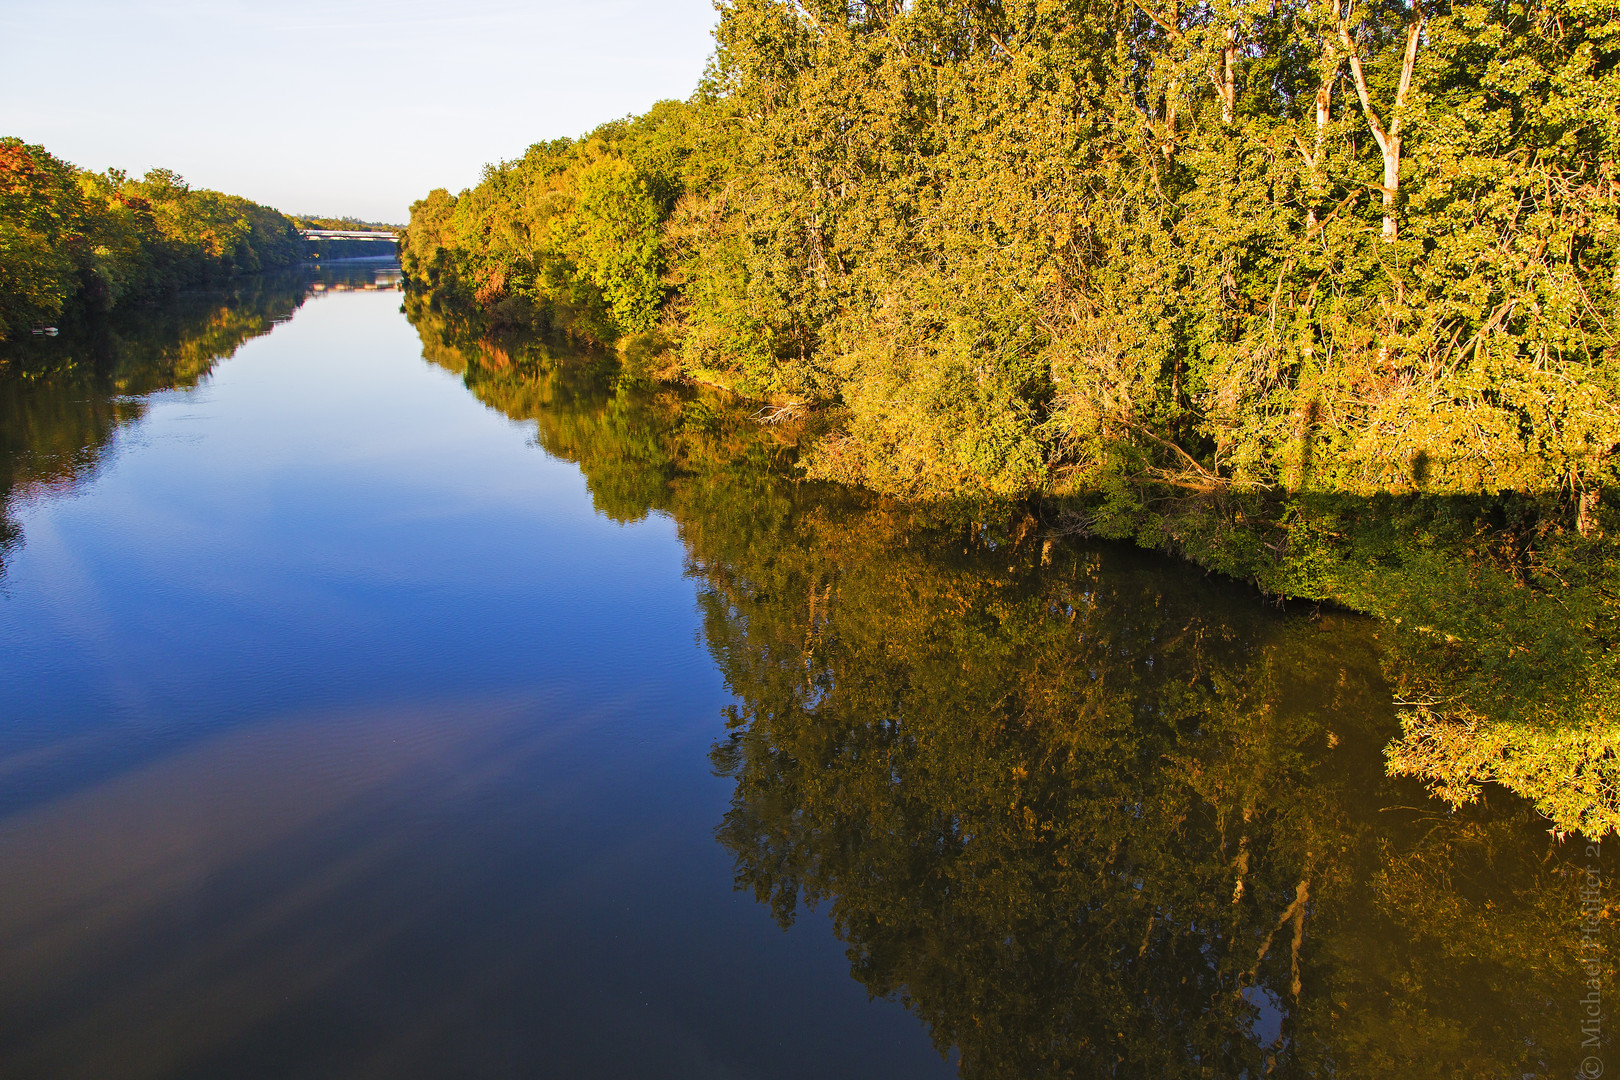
73,241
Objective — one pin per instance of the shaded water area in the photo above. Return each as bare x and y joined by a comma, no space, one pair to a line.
376,700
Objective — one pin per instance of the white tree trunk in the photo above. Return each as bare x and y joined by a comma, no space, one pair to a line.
1389,140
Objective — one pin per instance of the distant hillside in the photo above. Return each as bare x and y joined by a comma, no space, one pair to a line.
347,223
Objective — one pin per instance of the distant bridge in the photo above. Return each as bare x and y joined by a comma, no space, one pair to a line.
348,234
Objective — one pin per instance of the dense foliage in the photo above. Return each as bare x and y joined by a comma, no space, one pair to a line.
1320,294
73,240
1084,811
1032,245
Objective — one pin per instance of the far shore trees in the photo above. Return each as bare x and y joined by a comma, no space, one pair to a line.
72,237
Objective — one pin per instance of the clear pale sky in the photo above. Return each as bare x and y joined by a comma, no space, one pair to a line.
339,107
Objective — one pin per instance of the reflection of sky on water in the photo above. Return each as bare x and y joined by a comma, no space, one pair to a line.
343,737
272,875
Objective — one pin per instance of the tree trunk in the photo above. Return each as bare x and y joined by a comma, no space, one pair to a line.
1169,144
1229,78
1586,518
1392,183
1389,140
1324,108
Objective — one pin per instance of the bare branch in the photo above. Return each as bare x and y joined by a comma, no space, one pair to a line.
1409,61
1166,27
1359,77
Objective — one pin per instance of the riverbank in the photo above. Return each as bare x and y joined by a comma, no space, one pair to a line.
1043,254
1042,259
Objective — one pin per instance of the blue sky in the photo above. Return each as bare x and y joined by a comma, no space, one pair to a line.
334,107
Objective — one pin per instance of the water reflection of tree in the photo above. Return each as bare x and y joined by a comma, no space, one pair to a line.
1086,812
1086,818
63,399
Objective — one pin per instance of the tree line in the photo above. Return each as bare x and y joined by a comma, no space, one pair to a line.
1110,249
347,224
74,242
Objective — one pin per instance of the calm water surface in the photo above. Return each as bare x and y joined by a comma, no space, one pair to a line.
382,701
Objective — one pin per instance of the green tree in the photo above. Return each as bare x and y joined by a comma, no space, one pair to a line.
41,210
74,243
616,241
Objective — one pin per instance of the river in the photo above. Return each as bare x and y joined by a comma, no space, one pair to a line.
381,702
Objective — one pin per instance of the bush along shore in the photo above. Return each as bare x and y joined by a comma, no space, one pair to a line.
1320,295
75,243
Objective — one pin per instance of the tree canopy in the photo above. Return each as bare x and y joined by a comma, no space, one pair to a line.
1035,246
